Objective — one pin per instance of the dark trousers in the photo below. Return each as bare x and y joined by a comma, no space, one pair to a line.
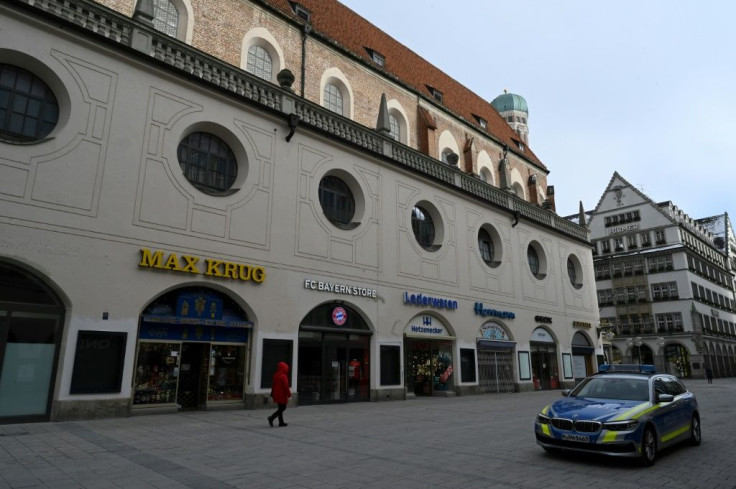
279,414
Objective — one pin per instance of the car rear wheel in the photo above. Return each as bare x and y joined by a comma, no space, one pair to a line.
695,435
648,446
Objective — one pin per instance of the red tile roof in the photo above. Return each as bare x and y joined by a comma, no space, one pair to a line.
351,32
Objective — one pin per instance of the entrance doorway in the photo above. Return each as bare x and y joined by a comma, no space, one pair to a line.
192,393
496,371
334,355
31,323
333,367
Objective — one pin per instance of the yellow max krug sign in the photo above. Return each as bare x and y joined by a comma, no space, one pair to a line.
191,264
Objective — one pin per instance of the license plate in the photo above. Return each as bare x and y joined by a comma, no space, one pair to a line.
580,438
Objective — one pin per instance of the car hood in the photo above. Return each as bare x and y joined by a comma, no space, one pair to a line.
594,409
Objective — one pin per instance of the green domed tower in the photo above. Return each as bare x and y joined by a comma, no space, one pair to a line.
514,110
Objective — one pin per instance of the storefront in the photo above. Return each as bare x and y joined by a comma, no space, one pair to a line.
31,325
583,354
192,351
334,355
495,359
428,346
545,371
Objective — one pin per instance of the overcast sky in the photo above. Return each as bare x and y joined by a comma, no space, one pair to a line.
646,88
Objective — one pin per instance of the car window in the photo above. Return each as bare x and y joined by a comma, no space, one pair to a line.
615,388
659,387
672,386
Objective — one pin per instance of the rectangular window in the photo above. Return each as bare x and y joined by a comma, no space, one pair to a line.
274,351
695,290
98,362
525,371
631,241
638,266
616,269
619,244
467,364
628,267
645,240
606,246
659,237
390,365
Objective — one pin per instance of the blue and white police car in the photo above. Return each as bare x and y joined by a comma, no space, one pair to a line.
622,411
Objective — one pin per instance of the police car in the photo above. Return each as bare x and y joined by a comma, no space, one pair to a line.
622,411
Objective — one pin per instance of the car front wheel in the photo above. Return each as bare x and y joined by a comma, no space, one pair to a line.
695,435
648,446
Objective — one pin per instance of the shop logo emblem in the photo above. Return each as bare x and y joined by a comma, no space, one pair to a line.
339,316
427,320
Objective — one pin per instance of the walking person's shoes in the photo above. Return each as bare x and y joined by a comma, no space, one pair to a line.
283,424
270,421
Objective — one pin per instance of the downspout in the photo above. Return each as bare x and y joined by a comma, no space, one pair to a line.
305,32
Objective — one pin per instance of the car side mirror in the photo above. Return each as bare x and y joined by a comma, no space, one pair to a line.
566,392
665,398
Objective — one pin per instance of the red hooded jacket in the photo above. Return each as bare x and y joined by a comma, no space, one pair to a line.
280,390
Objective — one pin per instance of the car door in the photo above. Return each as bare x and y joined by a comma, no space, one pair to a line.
666,417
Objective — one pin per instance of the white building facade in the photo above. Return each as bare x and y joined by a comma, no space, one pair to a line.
665,286
174,226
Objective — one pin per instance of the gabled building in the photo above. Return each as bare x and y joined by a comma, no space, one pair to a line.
194,190
665,283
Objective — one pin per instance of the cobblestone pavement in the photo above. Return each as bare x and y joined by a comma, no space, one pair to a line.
457,442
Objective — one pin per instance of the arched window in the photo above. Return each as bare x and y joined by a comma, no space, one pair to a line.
165,17
28,108
423,227
395,127
207,162
337,200
259,62
333,98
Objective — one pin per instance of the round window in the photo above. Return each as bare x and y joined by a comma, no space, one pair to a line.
207,162
537,261
423,226
29,110
337,201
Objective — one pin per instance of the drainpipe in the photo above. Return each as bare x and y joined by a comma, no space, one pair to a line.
305,32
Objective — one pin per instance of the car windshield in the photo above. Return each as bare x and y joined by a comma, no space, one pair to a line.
614,388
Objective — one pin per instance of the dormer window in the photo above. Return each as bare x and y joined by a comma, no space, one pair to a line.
301,11
435,93
481,121
376,57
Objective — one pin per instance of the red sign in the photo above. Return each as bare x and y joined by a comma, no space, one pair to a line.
339,316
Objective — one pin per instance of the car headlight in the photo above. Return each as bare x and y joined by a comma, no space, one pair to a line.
542,419
629,425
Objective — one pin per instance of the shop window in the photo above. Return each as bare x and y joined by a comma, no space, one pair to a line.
165,17
467,364
207,162
390,365
156,373
274,351
29,110
227,372
98,362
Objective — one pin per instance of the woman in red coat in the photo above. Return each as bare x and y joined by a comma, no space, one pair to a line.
280,392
